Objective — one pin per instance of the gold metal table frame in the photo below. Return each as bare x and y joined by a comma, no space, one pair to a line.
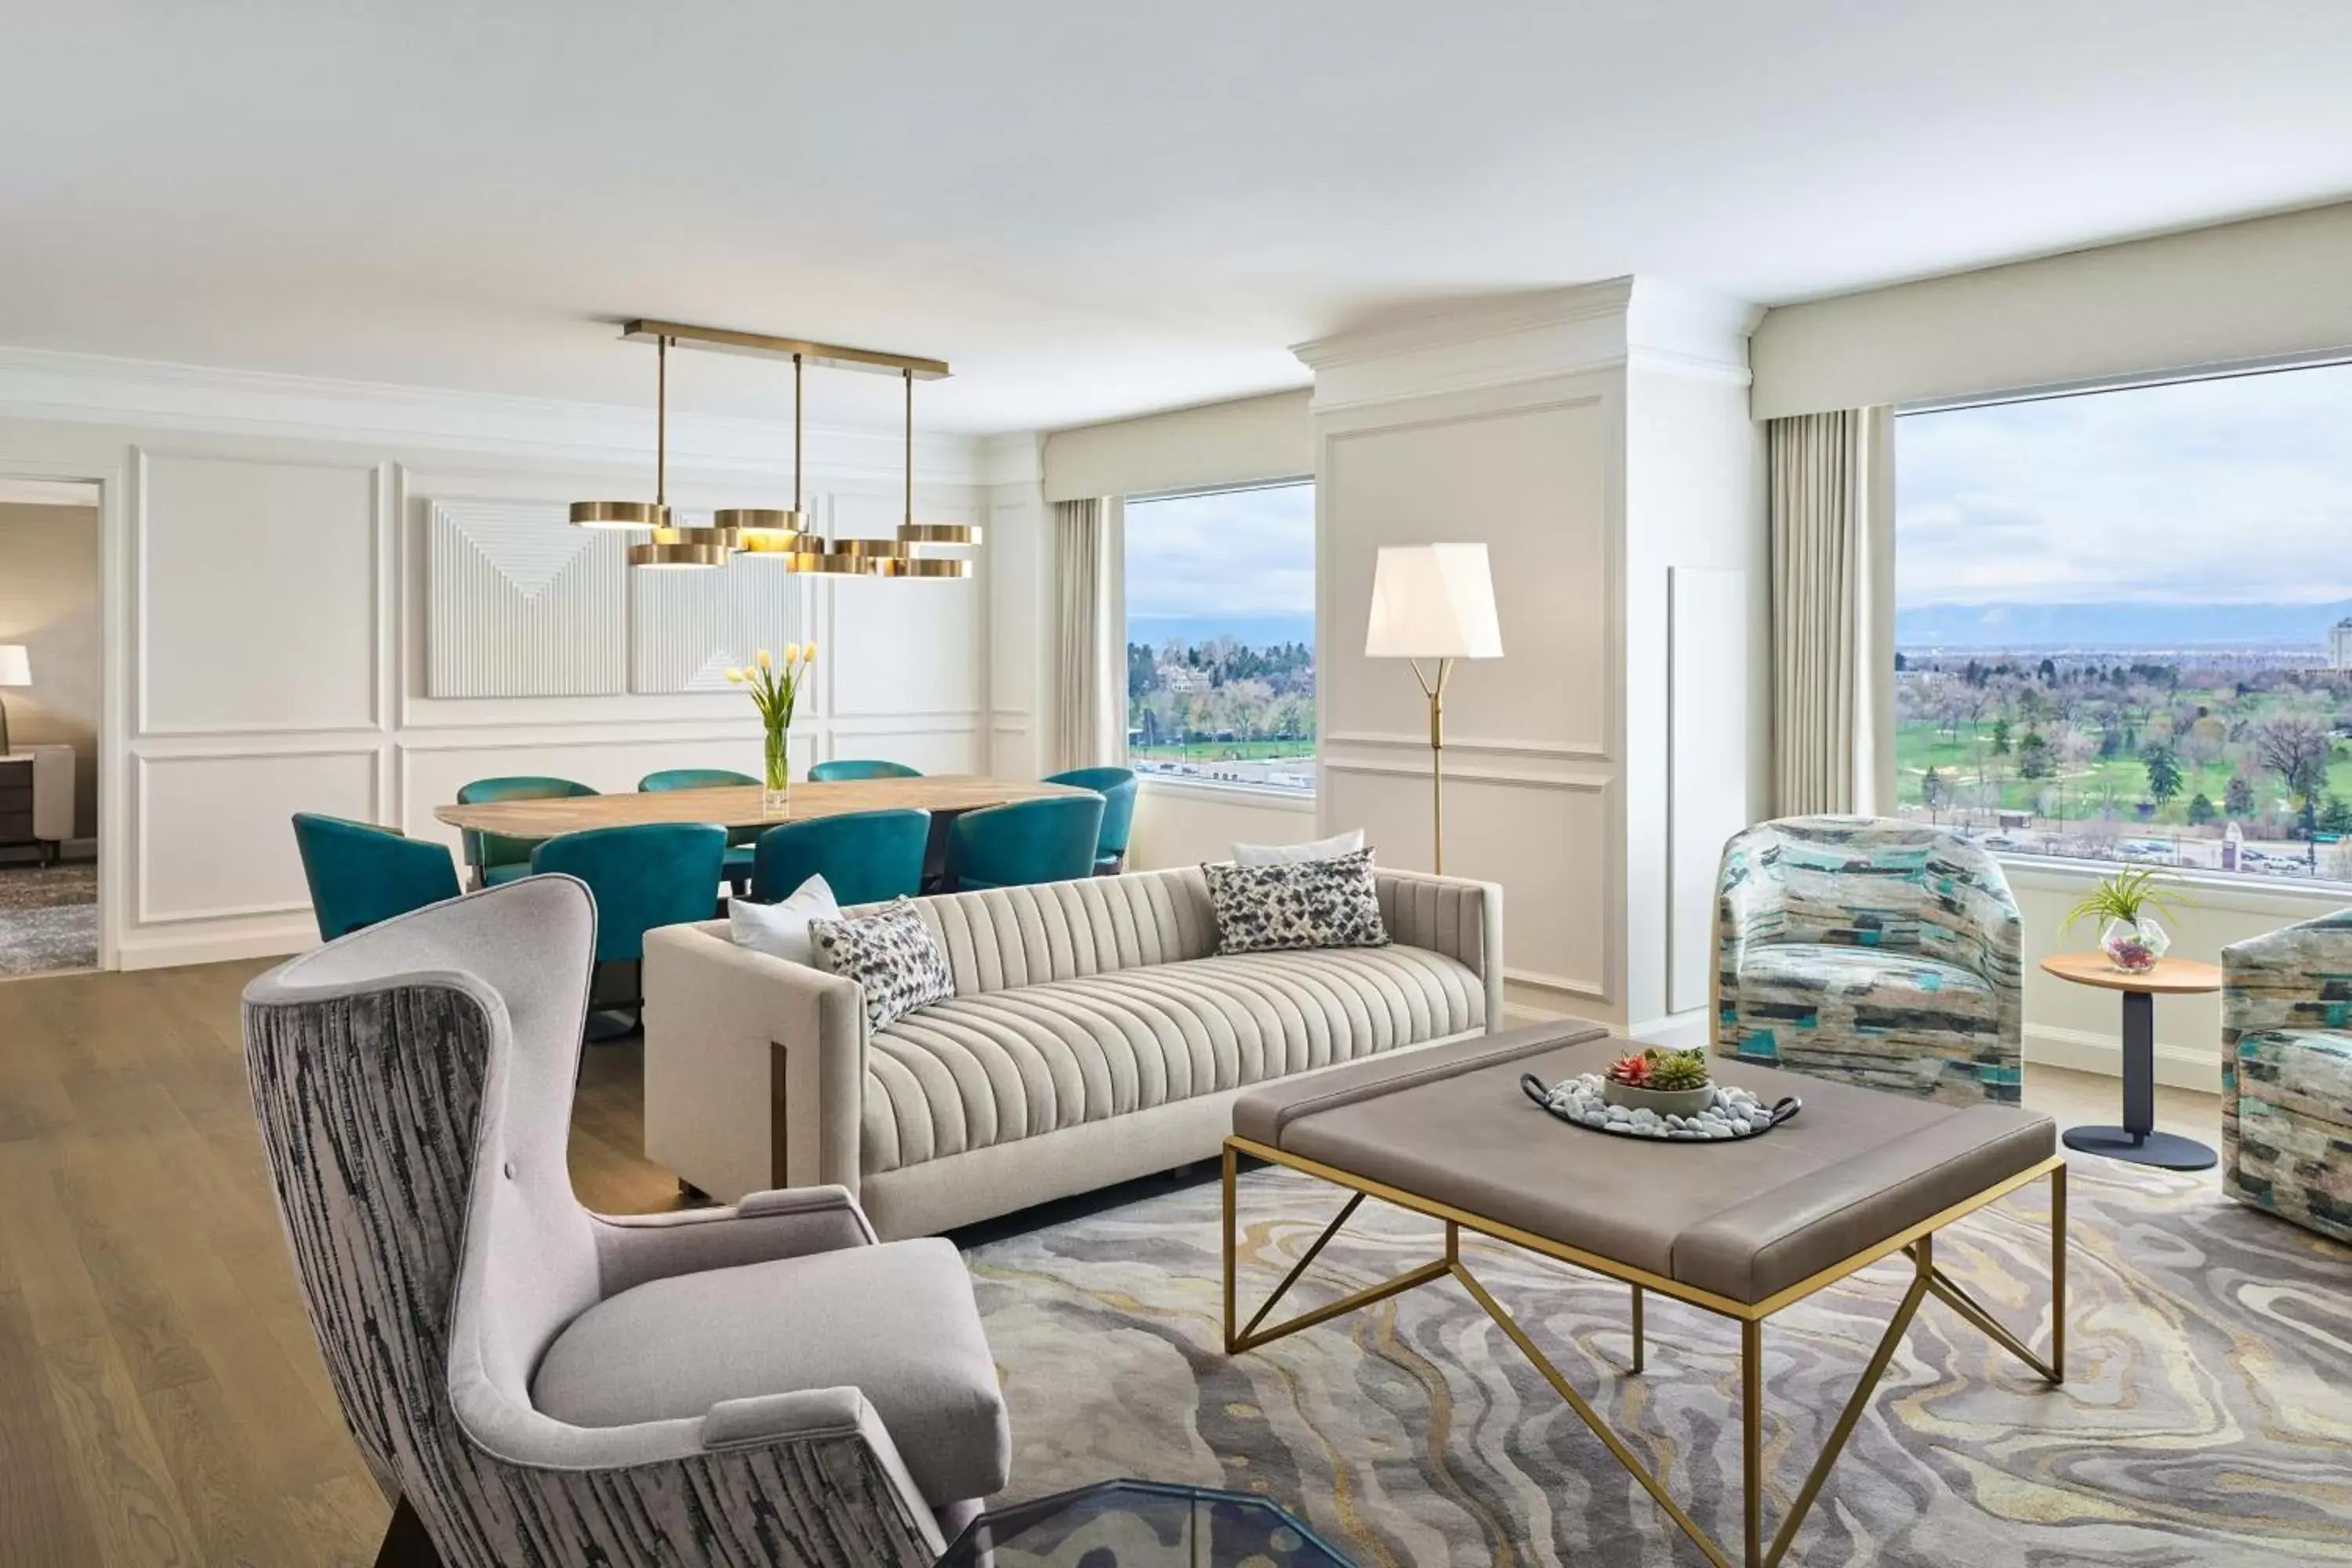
1917,1242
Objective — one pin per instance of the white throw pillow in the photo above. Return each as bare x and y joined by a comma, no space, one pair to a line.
1330,848
784,929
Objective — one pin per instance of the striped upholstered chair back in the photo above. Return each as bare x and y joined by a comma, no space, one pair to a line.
413,1083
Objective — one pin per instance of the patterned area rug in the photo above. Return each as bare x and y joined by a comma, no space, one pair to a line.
49,918
2206,1419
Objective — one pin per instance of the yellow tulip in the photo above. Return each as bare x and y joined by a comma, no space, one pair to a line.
736,675
764,660
808,651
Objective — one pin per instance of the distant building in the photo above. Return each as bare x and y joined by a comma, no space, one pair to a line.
2339,645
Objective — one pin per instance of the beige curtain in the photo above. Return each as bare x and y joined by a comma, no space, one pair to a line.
1831,484
1083,698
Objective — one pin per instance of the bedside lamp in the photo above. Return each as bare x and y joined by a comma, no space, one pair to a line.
1434,602
16,669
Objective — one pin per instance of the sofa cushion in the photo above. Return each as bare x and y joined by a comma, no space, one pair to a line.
1906,980
990,1068
896,1322
890,952
1334,901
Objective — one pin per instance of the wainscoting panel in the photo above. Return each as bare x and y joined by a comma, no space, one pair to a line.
520,603
1545,838
255,595
686,628
213,830
950,747
1707,764
904,647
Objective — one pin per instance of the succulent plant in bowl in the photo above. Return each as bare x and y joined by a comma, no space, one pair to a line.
1671,1083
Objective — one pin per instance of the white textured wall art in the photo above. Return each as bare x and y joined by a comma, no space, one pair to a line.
687,628
520,603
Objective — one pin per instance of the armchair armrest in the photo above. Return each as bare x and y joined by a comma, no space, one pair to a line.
1453,915
2298,977
755,1067
633,1249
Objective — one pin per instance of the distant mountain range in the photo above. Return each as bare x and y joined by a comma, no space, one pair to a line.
1250,631
2120,625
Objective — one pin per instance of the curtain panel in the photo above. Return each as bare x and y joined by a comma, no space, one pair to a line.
1084,701
1831,494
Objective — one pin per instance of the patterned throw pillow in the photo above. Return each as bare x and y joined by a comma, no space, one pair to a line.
1304,903
890,952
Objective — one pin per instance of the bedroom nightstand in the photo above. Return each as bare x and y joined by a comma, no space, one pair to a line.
17,807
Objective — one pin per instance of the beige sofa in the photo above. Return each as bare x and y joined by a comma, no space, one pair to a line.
1095,1036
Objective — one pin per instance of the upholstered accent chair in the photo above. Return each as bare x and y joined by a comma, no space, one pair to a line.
763,1385
2286,1073
738,839
841,769
497,857
1116,787
1024,843
361,874
1873,951
864,856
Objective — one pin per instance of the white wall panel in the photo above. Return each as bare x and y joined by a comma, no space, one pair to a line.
1531,482
255,596
1545,840
520,603
213,834
931,750
902,646
1707,768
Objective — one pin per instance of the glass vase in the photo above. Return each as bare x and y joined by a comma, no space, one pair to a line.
776,780
2133,947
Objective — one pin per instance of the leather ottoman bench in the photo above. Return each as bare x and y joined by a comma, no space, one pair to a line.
1742,1228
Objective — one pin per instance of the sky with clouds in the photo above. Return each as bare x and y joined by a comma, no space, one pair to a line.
2230,490
1236,552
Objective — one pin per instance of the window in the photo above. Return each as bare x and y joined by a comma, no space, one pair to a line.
2124,623
1221,636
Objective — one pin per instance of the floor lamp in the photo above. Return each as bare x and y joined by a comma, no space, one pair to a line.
1434,602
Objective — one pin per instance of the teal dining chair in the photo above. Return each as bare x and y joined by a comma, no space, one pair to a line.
1028,841
1116,787
842,768
361,874
864,856
738,839
495,856
646,875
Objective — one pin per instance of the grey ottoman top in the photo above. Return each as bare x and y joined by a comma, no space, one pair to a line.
1741,1220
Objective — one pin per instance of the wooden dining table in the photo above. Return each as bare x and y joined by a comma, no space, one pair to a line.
739,805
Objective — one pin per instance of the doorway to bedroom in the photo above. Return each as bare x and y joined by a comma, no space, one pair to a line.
50,656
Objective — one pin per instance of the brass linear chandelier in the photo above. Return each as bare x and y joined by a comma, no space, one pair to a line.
775,534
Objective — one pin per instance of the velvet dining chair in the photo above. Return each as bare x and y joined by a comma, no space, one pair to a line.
643,876
738,839
361,874
497,857
1116,787
846,768
864,856
1050,840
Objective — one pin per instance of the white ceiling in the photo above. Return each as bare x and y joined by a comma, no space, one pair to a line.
1093,208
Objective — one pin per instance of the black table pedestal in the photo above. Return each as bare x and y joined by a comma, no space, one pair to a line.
2138,1139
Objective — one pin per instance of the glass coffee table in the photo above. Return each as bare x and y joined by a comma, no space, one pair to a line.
1140,1525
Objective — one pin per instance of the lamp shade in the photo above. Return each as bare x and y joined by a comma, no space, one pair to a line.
15,667
1433,601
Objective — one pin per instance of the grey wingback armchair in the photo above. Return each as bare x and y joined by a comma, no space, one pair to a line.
759,1385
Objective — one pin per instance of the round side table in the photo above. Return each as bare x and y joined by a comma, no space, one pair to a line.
2138,1139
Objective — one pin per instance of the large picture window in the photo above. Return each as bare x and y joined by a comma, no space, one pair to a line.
2124,623
1221,636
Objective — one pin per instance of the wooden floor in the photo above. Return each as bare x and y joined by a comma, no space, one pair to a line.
162,1400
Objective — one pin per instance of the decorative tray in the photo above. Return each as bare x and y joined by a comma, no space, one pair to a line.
1727,1113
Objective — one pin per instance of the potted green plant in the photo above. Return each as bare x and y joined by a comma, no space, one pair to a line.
2126,906
1671,1083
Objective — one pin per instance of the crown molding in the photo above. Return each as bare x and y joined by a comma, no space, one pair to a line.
42,383
1646,322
